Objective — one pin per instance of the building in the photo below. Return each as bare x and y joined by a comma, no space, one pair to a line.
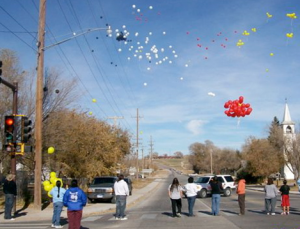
288,127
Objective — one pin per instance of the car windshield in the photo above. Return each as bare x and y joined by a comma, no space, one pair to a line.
229,178
102,181
202,180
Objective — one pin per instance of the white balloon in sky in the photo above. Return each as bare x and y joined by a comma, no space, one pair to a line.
124,26
186,65
117,30
175,56
211,94
170,62
138,10
125,42
136,34
170,46
74,33
148,69
160,62
150,33
173,51
128,58
150,7
145,84
162,49
164,33
120,50
133,6
181,78
140,57
135,55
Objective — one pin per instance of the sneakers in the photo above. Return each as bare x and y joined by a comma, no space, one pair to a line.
59,226
124,218
273,213
268,213
283,213
117,218
179,214
288,213
53,226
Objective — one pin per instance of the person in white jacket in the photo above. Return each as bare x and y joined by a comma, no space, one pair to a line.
191,193
121,192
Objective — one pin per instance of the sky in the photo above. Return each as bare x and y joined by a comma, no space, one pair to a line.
178,64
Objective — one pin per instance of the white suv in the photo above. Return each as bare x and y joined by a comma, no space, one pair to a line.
204,188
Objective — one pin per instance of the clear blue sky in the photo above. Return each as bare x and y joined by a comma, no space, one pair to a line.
193,49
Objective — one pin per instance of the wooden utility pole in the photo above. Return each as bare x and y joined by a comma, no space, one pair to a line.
39,107
137,143
151,151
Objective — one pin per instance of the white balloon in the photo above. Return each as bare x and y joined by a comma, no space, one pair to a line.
170,62
133,6
148,68
170,46
117,30
211,94
124,26
175,56
181,78
186,65
74,33
120,50
128,58
136,34
164,33
162,49
145,84
150,33
138,10
150,7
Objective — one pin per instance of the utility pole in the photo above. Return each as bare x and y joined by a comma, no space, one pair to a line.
115,118
39,107
137,142
151,151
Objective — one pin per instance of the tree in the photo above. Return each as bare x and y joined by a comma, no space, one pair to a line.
263,159
178,154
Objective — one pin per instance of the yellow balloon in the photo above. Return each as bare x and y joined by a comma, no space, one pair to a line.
94,100
46,182
53,174
49,194
51,150
269,15
271,54
253,29
48,187
290,35
90,113
53,181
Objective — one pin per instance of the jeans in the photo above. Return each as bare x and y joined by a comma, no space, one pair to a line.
176,203
215,204
9,202
270,203
191,203
74,218
57,208
241,200
120,206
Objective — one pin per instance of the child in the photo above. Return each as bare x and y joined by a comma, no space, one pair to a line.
285,200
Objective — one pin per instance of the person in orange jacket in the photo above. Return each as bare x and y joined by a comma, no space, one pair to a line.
241,194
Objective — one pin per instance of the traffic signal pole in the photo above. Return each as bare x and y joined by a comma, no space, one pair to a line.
13,162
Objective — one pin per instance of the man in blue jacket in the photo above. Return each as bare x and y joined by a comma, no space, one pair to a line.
74,199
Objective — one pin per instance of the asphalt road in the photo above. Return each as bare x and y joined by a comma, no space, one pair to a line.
155,212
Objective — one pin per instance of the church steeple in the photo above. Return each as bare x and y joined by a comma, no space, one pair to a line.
287,124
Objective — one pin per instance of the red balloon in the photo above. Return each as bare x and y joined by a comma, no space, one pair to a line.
241,99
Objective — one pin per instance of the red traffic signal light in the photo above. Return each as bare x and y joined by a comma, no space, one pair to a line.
9,128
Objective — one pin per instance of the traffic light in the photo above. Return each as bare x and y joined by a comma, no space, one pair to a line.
9,129
25,129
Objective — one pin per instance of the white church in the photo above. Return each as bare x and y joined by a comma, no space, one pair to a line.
288,127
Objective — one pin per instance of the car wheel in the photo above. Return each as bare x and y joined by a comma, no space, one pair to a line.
203,193
227,192
113,200
92,200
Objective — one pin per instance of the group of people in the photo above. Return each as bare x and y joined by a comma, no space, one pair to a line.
175,191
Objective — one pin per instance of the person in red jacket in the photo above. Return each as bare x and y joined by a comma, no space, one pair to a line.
241,195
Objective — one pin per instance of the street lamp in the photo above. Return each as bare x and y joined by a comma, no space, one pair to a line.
39,98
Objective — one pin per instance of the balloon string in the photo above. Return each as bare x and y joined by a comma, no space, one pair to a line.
238,122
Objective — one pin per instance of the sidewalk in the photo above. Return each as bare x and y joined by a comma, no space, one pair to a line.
30,214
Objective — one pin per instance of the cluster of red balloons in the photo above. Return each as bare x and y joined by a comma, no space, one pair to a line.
237,108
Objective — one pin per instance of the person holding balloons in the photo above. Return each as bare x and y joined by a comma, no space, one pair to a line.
58,194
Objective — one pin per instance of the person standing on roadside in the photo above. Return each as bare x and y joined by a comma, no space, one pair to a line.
74,199
175,194
191,192
285,199
270,197
241,195
58,194
216,187
10,192
121,192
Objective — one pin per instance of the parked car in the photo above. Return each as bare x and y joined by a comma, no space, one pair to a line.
204,188
102,188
